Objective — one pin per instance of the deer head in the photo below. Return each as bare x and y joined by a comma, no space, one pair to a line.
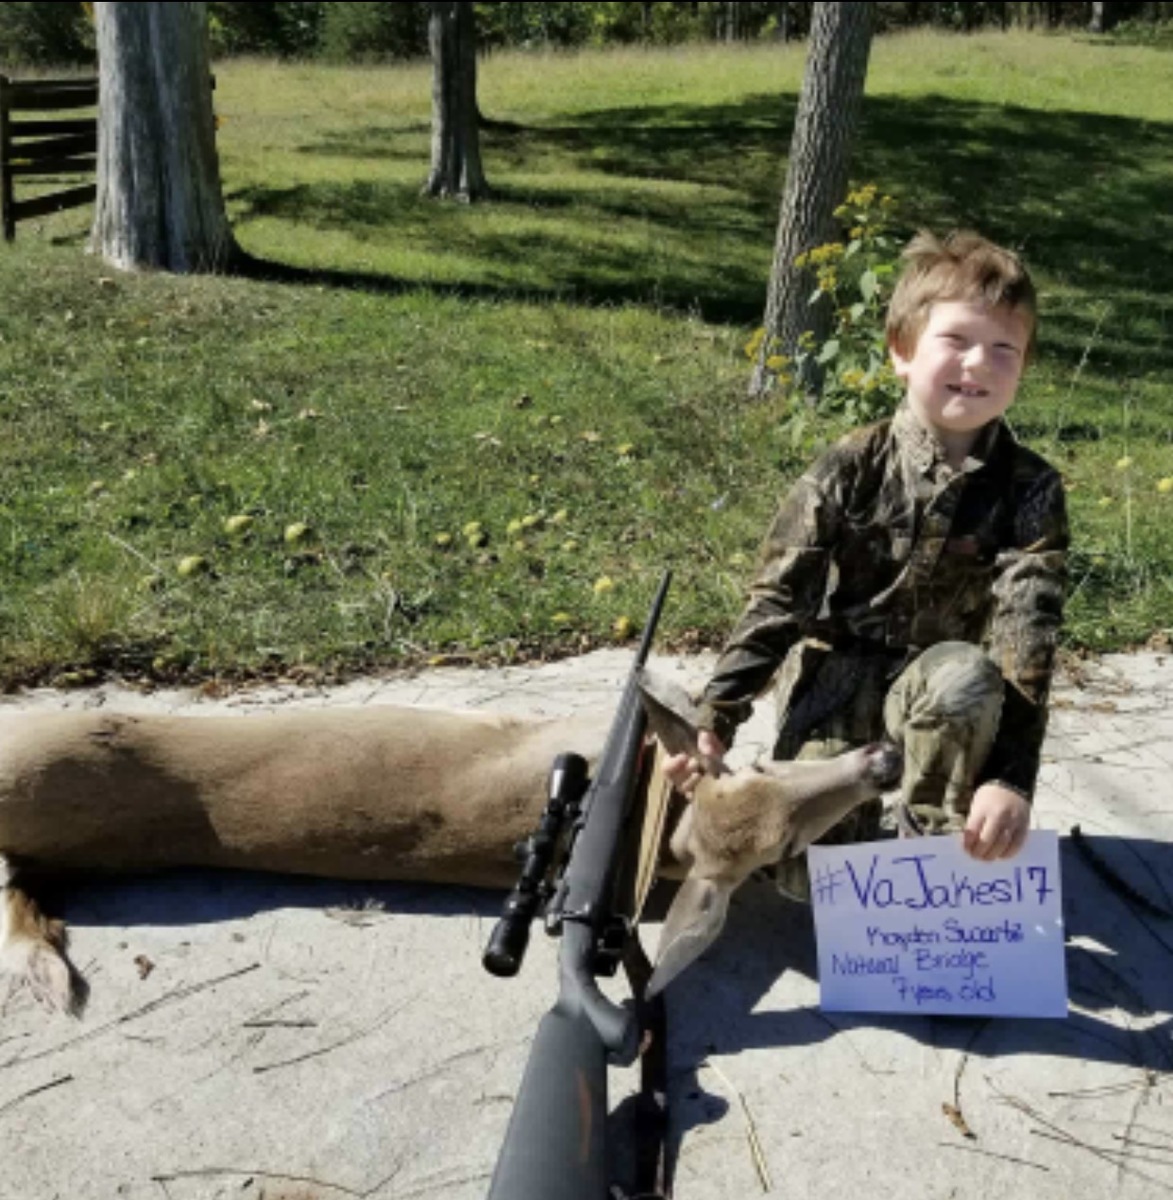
741,820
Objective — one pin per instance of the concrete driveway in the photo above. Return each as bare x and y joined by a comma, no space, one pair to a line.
265,1038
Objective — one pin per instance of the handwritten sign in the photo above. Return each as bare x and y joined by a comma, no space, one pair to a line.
917,926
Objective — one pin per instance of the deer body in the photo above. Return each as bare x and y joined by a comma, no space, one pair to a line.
373,793
368,793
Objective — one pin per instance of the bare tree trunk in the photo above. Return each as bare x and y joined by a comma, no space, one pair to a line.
816,176
456,144
783,29
159,202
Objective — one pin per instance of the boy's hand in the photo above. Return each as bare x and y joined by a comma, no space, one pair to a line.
999,821
684,771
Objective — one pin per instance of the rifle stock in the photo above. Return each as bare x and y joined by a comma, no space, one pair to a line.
555,1144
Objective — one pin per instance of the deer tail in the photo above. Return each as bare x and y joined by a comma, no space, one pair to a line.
33,948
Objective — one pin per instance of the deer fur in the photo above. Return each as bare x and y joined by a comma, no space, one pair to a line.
740,821
374,793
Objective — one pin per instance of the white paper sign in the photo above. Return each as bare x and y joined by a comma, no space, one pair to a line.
917,926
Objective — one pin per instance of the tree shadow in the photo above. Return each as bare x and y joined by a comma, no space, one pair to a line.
1084,195
1119,960
566,272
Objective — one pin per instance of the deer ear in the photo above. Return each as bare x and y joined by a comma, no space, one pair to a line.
672,714
692,925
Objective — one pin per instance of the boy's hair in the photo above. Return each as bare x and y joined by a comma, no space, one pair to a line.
963,266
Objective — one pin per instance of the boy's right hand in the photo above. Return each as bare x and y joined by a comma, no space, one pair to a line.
684,771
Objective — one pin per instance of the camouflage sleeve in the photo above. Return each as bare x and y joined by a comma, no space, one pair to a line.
785,596
1028,595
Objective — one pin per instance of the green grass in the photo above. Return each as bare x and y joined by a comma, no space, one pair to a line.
440,365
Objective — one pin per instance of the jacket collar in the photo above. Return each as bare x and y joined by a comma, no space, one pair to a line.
925,453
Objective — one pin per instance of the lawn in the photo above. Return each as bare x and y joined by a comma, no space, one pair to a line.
481,432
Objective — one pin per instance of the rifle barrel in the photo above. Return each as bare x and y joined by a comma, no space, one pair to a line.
556,1141
590,873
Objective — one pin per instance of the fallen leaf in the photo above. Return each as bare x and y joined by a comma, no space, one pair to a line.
958,1121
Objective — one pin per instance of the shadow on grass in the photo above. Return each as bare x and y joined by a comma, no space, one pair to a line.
555,267
1084,195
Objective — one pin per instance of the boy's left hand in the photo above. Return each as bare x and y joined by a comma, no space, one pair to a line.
999,821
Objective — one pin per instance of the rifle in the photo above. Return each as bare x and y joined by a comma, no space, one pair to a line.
555,1144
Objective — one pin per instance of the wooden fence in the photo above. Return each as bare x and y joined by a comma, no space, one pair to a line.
41,148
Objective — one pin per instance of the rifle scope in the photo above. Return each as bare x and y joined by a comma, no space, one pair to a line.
510,937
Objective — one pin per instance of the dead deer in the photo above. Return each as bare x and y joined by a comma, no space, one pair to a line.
374,793
740,821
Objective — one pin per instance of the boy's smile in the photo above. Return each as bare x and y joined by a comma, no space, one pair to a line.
964,370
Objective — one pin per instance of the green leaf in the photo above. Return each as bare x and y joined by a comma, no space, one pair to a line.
857,311
828,352
815,296
853,248
868,283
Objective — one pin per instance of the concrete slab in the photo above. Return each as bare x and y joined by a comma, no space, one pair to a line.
256,1037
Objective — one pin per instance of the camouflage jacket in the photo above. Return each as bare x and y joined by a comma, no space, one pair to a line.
883,549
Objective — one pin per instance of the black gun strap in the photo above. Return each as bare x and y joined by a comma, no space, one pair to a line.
651,1174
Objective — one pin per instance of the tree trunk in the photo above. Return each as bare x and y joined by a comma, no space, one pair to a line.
816,177
456,144
159,202
783,21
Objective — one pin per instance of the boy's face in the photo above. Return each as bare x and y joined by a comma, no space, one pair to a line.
965,368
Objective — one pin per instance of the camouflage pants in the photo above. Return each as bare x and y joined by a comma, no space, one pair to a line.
942,710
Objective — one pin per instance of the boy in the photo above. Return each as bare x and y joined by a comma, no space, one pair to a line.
912,581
